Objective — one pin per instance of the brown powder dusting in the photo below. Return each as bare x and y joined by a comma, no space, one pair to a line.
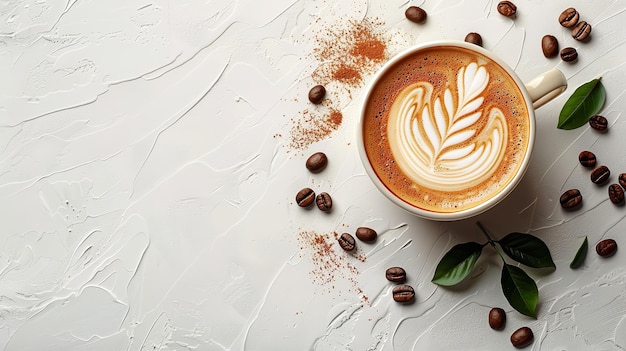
349,51
346,52
314,125
330,263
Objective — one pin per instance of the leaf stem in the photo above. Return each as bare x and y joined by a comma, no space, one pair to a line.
490,240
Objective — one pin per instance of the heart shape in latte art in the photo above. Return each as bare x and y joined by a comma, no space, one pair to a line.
449,142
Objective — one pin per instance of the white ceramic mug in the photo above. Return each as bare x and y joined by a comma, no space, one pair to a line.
537,92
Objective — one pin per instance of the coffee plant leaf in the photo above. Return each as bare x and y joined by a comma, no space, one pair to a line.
520,290
581,254
527,249
457,264
586,101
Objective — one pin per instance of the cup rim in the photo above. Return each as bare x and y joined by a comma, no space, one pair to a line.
482,207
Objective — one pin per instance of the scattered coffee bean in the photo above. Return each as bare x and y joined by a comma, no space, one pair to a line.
598,122
581,31
305,197
317,93
317,162
587,159
324,202
622,180
415,14
507,8
347,242
600,175
571,199
569,17
569,54
403,293
497,318
606,248
396,274
522,337
366,234
549,46
474,38
616,194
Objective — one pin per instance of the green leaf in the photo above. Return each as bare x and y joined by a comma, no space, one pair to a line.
527,249
580,255
586,101
457,264
520,290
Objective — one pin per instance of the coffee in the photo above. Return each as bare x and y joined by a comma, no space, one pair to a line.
446,128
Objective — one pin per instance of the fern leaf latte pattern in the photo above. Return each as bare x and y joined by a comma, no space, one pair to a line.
445,142
445,128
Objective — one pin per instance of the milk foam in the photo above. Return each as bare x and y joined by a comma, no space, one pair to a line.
450,142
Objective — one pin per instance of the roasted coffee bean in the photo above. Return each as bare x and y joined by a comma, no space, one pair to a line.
324,202
569,17
587,159
549,46
396,274
497,318
305,197
569,54
317,94
507,8
317,162
366,234
600,175
347,242
415,14
606,248
571,199
616,194
403,293
622,180
474,38
522,337
598,122
581,31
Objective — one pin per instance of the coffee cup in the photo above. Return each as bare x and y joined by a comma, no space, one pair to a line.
447,128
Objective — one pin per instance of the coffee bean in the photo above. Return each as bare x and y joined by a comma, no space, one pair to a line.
474,38
347,242
403,293
622,180
569,17
616,194
549,46
396,274
317,93
571,199
522,337
581,31
317,162
507,8
324,202
606,248
587,159
569,54
497,318
415,14
366,234
598,122
600,175
305,197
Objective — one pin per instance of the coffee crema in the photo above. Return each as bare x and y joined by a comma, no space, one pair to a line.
446,128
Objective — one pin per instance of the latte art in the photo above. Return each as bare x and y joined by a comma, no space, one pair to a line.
445,129
449,142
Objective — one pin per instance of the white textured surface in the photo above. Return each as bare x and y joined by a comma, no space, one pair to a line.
148,170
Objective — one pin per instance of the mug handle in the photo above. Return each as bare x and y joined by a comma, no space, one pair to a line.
546,87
